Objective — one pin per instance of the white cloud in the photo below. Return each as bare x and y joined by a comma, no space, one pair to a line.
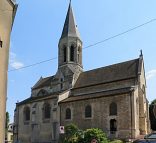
151,74
13,62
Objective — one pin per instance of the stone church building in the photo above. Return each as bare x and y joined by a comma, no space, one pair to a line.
112,98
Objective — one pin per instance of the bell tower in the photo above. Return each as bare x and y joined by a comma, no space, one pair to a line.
70,45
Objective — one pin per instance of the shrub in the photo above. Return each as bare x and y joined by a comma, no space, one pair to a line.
95,133
71,134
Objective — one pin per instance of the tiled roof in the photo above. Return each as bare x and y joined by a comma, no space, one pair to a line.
98,94
110,73
36,98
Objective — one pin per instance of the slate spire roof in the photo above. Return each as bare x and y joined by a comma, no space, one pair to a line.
70,28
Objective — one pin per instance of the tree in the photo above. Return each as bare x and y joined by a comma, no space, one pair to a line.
74,135
7,120
152,115
71,135
95,133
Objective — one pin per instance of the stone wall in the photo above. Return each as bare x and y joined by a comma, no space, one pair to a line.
37,129
100,114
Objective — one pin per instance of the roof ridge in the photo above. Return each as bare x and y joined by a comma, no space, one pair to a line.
110,65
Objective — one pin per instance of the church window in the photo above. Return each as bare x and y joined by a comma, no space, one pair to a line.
64,53
68,113
88,111
113,109
26,114
46,111
42,92
72,53
113,126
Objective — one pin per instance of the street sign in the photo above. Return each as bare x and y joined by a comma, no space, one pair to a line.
94,141
61,129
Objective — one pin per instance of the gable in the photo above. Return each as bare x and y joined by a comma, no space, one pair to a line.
43,82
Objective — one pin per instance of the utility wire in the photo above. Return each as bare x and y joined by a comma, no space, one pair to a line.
107,39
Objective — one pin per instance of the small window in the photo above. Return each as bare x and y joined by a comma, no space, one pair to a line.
72,53
113,109
68,114
64,54
26,114
88,112
46,111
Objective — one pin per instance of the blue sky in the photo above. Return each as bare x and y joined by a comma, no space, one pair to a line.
38,26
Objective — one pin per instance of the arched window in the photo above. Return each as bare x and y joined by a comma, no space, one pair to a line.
68,113
113,126
72,53
64,54
46,111
26,113
42,92
113,109
88,111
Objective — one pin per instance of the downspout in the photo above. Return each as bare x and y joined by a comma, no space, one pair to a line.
17,122
131,112
131,103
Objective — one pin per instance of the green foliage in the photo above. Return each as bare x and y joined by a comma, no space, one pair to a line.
71,134
95,133
75,135
153,102
7,120
116,141
151,115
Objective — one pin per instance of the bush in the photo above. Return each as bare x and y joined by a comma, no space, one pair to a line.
94,133
74,135
151,114
71,134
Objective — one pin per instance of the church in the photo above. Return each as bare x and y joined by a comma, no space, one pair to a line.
112,98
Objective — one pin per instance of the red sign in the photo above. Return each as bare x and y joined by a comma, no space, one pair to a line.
61,129
94,141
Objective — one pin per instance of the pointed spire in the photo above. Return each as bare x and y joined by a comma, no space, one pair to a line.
70,27
141,54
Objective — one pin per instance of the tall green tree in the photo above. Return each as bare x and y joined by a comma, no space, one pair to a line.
7,120
151,114
71,131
